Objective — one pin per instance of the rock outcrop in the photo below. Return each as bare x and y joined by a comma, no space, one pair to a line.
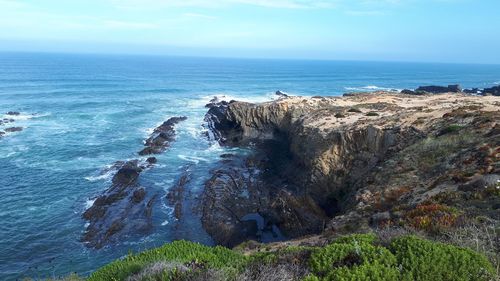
439,89
422,90
495,91
344,158
124,209
161,137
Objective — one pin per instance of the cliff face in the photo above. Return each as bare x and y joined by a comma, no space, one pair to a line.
330,151
344,155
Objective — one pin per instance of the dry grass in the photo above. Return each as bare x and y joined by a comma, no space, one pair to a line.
483,238
267,272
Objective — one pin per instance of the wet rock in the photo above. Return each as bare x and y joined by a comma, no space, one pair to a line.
139,195
13,129
152,160
408,92
175,196
2,134
13,113
281,94
6,121
439,89
494,91
226,155
124,209
473,91
127,174
161,137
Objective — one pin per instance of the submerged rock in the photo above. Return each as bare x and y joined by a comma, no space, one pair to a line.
13,129
13,113
161,137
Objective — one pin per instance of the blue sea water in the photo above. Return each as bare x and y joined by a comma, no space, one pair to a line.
81,113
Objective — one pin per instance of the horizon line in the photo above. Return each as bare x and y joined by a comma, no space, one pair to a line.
143,54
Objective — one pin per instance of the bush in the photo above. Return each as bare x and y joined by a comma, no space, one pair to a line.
371,113
353,258
425,260
408,258
179,251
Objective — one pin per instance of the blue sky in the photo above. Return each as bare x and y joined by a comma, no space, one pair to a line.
400,30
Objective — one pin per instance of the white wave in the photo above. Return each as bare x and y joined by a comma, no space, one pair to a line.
371,88
194,131
193,159
496,83
201,102
215,147
8,154
104,176
89,203
24,116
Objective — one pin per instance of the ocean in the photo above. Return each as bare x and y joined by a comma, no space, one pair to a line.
82,113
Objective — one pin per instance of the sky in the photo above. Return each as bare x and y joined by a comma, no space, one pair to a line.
462,31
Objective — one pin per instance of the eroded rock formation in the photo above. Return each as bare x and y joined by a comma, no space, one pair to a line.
345,159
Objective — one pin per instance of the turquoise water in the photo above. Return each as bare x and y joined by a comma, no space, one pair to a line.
81,113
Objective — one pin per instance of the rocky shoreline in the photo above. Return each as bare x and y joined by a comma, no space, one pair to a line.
422,90
126,207
318,165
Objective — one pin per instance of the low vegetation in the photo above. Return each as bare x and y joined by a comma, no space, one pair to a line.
353,257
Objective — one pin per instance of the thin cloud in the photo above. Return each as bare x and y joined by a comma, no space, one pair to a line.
199,16
116,24
285,4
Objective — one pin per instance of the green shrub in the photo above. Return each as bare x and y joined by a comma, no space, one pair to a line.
350,258
178,251
357,257
371,113
425,260
353,258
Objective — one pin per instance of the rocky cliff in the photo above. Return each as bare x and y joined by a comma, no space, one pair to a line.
364,160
